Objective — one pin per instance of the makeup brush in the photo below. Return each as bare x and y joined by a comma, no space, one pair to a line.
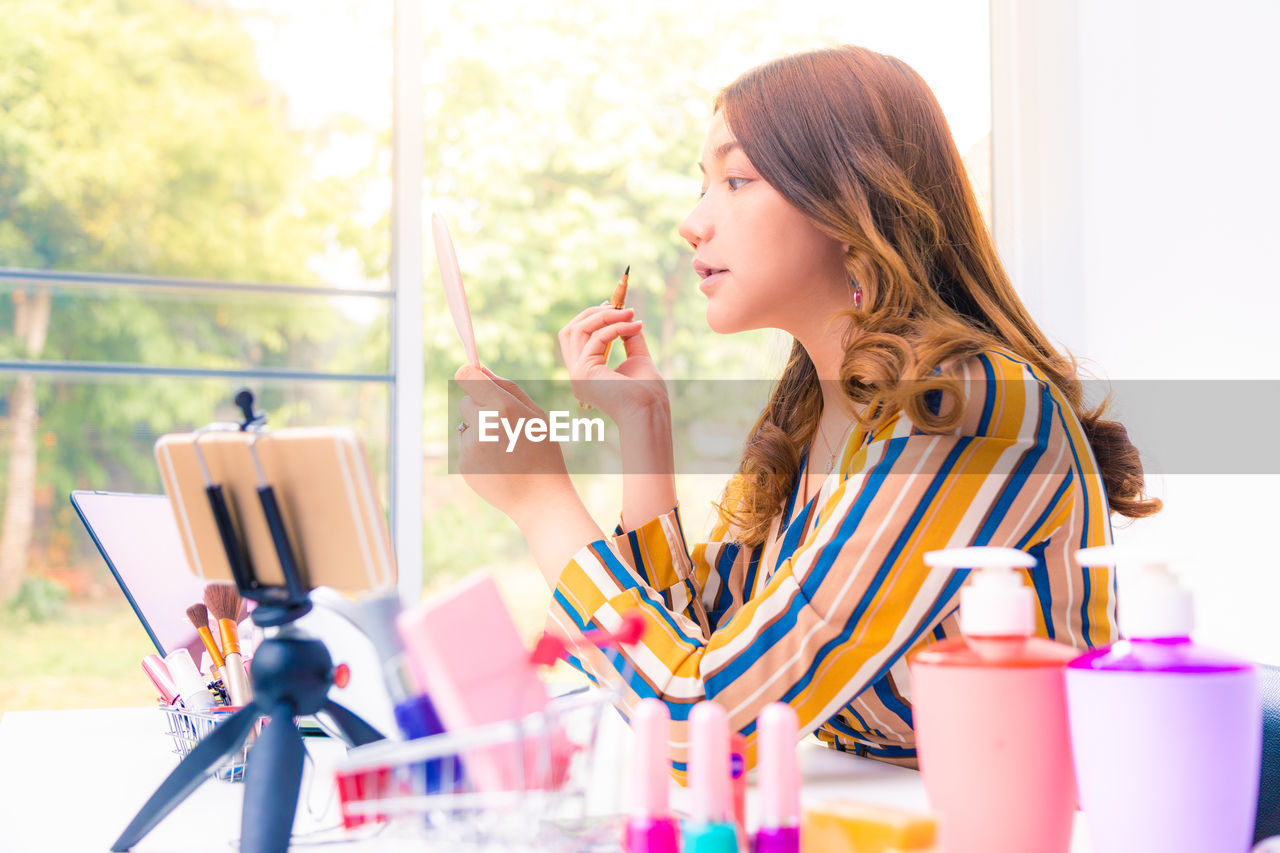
199,616
224,602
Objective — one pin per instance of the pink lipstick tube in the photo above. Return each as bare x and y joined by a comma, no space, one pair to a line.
650,827
777,730
156,670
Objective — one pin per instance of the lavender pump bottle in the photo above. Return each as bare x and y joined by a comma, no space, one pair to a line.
1167,734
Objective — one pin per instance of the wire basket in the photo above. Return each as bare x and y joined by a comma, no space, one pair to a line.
188,727
535,795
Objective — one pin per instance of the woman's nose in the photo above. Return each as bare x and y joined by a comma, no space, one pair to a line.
695,227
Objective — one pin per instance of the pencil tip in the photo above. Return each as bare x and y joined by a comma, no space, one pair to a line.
628,270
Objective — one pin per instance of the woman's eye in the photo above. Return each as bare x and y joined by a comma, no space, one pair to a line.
736,184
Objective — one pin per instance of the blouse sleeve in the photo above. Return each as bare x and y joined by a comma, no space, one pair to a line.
855,595
703,583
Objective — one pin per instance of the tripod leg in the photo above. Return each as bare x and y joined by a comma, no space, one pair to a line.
225,739
353,727
272,777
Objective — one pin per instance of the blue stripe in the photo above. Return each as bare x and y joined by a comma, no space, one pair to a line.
581,667
782,626
891,751
795,488
725,561
795,527
882,572
859,748
753,568
1048,510
1085,622
633,540
904,537
1013,486
627,581
678,710
796,531
988,405
949,590
877,478
1085,508
956,580
933,399
1044,592
1040,578
892,702
579,619
841,727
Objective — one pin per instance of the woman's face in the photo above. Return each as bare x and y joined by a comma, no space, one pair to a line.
761,262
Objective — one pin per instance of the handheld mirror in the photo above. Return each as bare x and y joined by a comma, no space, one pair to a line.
447,260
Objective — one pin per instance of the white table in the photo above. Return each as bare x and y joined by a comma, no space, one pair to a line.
72,780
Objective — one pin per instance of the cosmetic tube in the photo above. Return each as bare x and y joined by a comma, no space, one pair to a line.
191,687
709,828
154,666
650,827
415,714
779,780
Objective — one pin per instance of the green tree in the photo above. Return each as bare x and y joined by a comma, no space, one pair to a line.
139,136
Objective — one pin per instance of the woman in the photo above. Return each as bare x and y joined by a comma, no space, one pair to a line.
921,408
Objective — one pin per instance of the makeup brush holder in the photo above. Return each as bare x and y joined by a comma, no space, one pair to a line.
187,728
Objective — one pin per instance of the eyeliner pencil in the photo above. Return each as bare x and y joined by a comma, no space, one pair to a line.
618,300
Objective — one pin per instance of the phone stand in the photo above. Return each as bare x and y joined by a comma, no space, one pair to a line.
291,675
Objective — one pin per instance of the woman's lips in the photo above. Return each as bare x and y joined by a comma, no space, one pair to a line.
710,280
708,273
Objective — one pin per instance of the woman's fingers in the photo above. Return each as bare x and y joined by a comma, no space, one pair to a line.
486,391
581,314
574,336
634,342
512,388
572,326
593,349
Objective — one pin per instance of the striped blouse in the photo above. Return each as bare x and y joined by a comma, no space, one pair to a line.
824,615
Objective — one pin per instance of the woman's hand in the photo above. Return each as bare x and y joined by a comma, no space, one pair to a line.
515,476
634,387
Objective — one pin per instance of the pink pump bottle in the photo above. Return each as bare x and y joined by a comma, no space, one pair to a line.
991,718
1167,734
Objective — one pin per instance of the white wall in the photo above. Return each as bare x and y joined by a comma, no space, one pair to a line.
1136,171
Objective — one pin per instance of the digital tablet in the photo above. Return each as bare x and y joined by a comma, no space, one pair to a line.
322,483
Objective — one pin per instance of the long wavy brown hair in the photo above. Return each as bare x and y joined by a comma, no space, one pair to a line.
858,143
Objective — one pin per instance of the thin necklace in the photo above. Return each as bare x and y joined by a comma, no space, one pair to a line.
804,481
831,460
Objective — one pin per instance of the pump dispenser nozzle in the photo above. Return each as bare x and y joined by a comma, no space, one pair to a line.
995,602
1155,604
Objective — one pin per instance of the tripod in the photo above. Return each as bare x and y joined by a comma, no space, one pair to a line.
291,676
